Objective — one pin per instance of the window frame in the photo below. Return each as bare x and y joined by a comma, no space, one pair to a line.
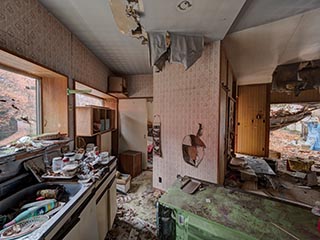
38,101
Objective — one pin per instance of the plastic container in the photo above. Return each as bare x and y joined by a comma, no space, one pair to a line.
57,164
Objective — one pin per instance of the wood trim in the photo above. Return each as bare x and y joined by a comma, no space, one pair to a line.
25,59
139,98
93,88
267,141
18,71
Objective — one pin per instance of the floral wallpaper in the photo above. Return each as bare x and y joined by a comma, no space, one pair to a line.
183,99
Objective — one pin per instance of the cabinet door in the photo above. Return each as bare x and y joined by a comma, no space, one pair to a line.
73,233
112,204
102,215
88,222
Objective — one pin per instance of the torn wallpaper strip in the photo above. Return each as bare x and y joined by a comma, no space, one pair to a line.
158,51
186,49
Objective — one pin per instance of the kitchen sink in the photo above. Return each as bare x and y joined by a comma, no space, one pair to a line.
14,202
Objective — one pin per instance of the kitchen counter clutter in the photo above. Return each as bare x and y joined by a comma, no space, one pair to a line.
231,214
64,209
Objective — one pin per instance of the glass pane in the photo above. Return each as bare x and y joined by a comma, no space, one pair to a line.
18,106
85,100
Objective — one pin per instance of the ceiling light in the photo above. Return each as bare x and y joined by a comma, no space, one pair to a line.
184,5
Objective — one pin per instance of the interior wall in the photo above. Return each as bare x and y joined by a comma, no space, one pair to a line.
28,30
133,127
183,99
150,111
140,85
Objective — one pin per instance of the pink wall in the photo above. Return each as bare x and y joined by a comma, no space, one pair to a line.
183,99
140,85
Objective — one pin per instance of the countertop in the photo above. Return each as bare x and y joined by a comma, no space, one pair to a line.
71,206
256,216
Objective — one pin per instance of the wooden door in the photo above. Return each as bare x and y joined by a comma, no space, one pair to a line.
252,135
133,127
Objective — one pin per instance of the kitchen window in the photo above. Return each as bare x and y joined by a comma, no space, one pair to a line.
20,109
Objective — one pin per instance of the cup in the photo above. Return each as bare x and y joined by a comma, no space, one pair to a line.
57,164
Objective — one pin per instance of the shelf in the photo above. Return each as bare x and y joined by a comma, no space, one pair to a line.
95,134
93,120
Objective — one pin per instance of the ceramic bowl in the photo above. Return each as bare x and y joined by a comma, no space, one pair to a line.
70,169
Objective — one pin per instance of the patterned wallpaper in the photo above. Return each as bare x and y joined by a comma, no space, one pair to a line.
183,99
29,30
87,68
140,85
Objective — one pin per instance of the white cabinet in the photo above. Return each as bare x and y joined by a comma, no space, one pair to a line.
88,222
112,204
102,215
74,233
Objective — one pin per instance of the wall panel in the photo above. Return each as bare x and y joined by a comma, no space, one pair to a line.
183,99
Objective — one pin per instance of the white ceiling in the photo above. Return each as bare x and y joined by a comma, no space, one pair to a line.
259,12
212,18
254,53
93,23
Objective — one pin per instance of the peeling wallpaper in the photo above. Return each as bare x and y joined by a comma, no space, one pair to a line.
140,85
29,30
183,99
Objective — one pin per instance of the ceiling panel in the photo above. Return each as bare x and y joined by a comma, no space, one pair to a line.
213,18
93,23
305,42
259,12
254,53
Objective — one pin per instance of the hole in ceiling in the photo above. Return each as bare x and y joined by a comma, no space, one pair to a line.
184,6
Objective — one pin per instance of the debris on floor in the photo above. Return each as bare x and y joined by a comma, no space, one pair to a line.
293,179
136,215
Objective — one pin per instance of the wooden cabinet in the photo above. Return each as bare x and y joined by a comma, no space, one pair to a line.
91,120
93,125
117,87
131,163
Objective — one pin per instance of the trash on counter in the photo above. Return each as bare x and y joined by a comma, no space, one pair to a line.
191,186
23,228
33,211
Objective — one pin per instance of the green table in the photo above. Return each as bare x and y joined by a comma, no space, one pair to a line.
221,213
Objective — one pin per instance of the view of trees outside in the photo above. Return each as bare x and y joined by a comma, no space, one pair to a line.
18,113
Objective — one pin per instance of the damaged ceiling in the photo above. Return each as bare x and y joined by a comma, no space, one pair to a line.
93,22
255,53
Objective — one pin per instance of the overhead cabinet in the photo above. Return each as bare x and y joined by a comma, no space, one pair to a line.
117,87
